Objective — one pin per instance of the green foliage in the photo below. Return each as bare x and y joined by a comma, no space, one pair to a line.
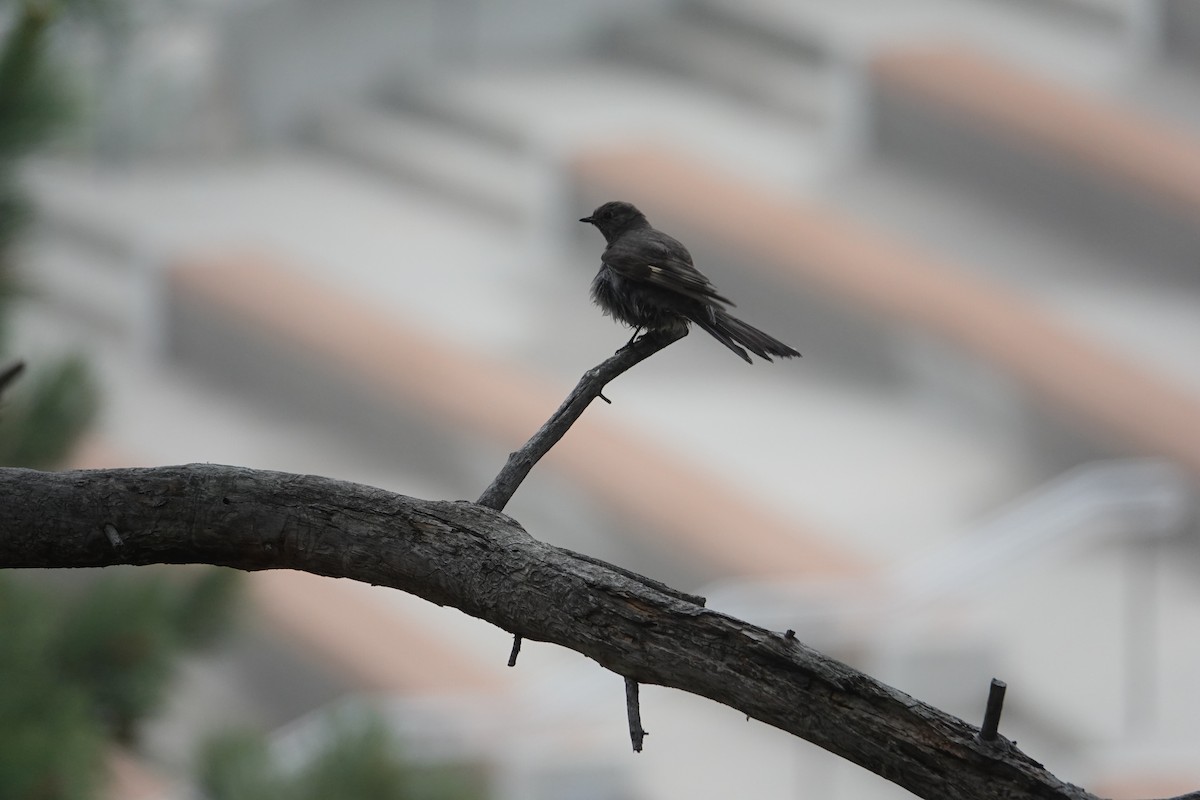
204,611
237,766
43,415
82,668
120,642
15,214
51,748
32,103
119,647
33,107
360,761
39,418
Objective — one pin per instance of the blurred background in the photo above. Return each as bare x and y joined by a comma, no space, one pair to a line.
341,239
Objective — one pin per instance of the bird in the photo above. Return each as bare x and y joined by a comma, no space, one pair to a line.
648,281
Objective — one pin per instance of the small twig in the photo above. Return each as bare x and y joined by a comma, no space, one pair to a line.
114,538
516,650
10,374
590,386
991,716
633,708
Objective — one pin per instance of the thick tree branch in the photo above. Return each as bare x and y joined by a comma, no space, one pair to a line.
482,562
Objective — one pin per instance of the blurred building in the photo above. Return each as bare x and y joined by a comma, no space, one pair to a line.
341,238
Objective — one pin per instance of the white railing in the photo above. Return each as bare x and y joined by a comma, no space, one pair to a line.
1133,499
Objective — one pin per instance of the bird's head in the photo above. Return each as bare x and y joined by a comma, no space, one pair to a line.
615,217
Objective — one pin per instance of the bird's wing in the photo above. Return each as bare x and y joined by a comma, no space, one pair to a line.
659,260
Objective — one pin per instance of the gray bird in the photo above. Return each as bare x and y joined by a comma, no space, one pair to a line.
647,280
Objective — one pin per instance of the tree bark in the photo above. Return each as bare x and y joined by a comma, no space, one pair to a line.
480,561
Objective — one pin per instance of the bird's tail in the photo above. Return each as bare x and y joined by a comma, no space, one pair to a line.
731,332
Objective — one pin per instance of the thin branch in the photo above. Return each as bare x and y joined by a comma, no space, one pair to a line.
10,374
590,386
482,562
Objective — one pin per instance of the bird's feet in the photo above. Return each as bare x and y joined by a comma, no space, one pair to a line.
674,328
632,339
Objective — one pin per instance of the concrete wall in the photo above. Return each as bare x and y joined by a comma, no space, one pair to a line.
283,57
1151,232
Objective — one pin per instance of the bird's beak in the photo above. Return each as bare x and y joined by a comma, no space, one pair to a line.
586,219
